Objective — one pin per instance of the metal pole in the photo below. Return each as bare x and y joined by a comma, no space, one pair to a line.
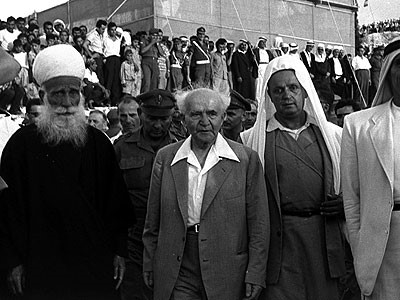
115,11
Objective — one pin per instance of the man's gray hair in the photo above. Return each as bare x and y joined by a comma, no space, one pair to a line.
183,96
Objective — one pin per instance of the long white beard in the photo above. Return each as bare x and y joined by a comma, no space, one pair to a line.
60,124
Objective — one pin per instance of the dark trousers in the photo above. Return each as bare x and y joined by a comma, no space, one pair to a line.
151,74
176,79
189,285
133,287
12,96
201,75
100,68
113,82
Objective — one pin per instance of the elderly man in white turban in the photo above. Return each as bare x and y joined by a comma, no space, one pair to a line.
64,223
371,184
300,152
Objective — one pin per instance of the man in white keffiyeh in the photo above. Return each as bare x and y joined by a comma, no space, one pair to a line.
300,152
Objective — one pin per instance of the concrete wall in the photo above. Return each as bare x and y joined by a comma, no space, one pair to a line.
330,22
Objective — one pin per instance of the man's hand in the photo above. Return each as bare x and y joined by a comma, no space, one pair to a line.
119,270
333,207
148,279
252,291
16,280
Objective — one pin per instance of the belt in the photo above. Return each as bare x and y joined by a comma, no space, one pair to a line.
194,228
396,206
263,62
149,57
202,62
302,214
176,66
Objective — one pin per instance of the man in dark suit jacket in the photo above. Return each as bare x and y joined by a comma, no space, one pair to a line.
308,58
340,76
243,68
206,233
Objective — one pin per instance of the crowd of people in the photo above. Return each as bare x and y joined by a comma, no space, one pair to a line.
222,172
379,26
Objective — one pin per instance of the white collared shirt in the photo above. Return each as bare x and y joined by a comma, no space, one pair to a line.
337,67
360,63
111,47
197,175
96,41
274,124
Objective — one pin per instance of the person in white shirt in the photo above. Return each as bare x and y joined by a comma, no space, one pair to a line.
206,233
94,47
9,34
361,68
112,67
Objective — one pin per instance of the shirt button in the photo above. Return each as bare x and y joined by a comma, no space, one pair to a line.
178,258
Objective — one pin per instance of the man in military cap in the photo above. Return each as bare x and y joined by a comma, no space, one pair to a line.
135,153
235,116
200,66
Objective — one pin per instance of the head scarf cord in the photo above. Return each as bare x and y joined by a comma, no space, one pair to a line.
384,92
255,136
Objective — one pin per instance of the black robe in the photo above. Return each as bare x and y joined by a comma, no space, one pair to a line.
64,216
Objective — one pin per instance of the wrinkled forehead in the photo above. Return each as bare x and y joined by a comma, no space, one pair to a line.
203,100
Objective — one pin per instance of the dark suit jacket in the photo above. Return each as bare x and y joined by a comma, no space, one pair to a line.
334,239
310,67
234,228
257,56
344,68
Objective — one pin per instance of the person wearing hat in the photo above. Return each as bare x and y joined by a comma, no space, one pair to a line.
263,57
322,79
370,182
293,50
59,25
207,225
375,61
300,152
340,76
243,68
150,51
328,51
136,152
200,66
67,207
285,48
308,58
361,68
235,116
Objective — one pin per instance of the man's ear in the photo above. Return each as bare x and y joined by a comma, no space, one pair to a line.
224,116
305,94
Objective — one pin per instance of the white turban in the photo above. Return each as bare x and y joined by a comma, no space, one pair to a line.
58,61
384,92
255,137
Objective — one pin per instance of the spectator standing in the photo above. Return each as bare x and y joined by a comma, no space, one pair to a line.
219,68
308,58
242,66
130,73
375,61
112,67
179,66
263,57
361,68
94,47
150,51
200,67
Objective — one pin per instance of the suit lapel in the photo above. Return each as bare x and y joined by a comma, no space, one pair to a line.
179,173
270,165
381,136
215,178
